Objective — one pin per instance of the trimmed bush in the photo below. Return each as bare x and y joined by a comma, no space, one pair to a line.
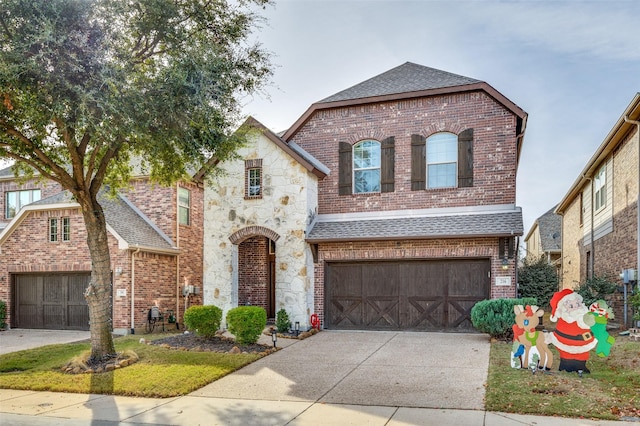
204,320
596,288
496,317
283,325
247,323
3,314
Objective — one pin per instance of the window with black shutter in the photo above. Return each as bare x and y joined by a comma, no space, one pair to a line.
344,169
465,158
387,167
418,162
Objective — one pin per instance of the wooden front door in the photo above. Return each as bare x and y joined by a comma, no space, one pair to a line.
405,295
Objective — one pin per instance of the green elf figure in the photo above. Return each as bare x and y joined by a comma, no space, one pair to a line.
602,312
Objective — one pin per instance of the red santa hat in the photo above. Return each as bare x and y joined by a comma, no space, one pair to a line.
556,299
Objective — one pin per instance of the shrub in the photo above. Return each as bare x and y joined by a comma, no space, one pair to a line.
537,279
246,323
204,320
283,325
596,288
496,317
3,314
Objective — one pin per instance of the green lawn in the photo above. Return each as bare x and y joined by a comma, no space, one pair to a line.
610,391
160,372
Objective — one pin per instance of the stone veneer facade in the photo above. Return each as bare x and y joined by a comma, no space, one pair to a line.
289,194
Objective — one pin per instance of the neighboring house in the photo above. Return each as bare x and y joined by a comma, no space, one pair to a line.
600,210
545,239
389,205
155,239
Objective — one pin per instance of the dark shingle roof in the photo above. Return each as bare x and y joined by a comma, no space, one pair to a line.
408,77
550,228
427,227
124,218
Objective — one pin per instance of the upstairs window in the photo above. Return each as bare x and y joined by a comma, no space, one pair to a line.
253,178
184,206
600,188
59,229
15,200
366,167
442,160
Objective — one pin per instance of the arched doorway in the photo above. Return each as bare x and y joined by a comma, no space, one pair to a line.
257,273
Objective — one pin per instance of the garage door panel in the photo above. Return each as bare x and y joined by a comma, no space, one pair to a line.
51,301
413,295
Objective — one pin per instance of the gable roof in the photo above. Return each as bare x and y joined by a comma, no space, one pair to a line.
493,221
615,137
550,229
126,222
408,81
305,159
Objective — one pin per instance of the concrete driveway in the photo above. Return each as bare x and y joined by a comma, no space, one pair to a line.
429,370
18,339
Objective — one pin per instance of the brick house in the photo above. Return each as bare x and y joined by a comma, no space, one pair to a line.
545,239
389,205
155,239
600,211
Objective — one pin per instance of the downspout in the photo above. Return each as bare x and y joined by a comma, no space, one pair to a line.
133,288
637,123
178,293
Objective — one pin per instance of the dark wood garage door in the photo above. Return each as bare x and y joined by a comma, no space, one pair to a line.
433,295
51,301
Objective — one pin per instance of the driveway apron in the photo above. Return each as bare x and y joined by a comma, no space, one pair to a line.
395,369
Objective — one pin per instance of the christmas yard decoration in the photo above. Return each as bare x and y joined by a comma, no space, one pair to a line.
529,347
573,336
602,313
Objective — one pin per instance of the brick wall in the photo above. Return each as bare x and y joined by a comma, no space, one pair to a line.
253,272
494,151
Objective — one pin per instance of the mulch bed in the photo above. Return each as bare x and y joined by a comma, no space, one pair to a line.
221,344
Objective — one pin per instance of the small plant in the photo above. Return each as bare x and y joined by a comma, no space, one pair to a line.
283,325
634,301
496,316
596,288
204,320
247,323
3,314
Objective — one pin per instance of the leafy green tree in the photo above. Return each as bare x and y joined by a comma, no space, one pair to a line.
537,279
88,85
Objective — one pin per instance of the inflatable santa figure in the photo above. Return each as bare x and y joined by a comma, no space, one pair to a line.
572,337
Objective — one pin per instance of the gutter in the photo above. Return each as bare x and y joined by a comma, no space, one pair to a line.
133,287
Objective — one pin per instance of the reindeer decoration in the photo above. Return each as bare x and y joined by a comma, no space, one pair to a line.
526,337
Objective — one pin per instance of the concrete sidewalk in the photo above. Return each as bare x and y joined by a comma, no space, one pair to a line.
332,378
18,339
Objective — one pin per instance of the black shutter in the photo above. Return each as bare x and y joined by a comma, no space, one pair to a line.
418,162
388,154
465,158
345,164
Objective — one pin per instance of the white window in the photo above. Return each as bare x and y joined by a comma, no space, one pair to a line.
15,200
184,206
442,160
66,229
366,167
53,229
254,176
600,189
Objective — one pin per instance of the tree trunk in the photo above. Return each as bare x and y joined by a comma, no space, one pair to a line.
99,293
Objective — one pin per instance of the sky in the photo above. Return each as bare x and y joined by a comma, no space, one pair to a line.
573,66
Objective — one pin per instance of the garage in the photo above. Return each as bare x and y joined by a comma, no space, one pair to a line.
52,301
421,295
